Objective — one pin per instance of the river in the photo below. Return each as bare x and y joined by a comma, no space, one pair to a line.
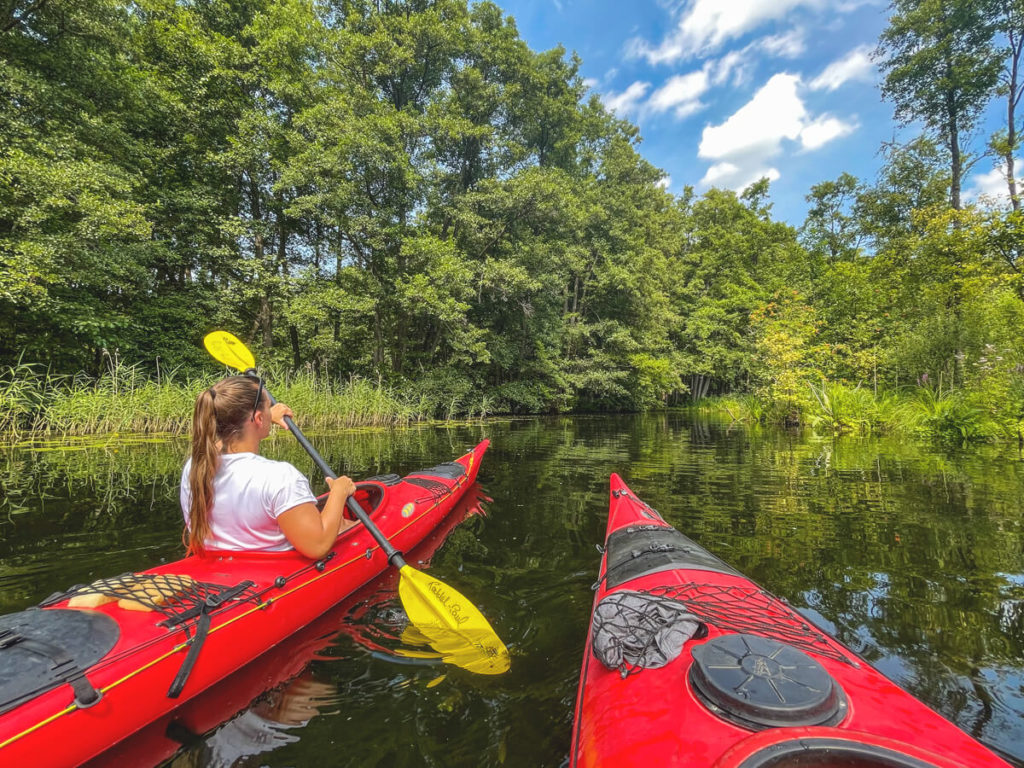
911,554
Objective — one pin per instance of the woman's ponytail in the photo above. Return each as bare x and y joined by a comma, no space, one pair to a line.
205,459
219,418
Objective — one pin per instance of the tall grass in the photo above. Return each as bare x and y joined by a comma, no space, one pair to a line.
743,408
21,397
839,408
125,400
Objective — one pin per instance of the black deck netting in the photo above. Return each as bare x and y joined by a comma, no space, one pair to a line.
752,611
177,597
637,630
435,488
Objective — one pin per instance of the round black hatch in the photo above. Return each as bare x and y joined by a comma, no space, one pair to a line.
760,683
40,649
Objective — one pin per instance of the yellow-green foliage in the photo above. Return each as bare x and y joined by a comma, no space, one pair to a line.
786,354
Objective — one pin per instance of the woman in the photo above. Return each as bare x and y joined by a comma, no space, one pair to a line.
235,499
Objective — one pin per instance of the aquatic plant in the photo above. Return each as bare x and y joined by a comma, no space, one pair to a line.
125,400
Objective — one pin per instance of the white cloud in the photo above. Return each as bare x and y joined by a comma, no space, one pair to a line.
758,131
590,83
823,130
776,112
788,45
991,188
856,65
706,24
736,178
734,64
719,171
681,93
664,182
846,6
628,100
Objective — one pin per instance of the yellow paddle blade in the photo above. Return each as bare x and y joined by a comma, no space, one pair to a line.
228,349
451,624
453,648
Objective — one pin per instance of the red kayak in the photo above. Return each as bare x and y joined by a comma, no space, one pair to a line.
689,663
76,680
284,672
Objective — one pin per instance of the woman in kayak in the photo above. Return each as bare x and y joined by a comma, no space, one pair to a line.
235,499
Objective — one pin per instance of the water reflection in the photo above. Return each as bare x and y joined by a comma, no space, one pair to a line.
912,555
264,727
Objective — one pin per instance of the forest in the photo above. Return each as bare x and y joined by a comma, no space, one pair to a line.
403,196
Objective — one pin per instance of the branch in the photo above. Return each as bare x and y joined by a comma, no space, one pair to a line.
17,21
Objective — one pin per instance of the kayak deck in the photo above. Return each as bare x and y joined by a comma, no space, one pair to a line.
690,663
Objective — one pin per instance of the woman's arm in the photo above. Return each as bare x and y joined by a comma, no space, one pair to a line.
313,532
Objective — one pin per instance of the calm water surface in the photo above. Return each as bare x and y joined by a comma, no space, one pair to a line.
910,554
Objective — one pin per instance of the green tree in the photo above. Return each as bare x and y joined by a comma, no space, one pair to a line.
1009,21
732,258
940,67
831,230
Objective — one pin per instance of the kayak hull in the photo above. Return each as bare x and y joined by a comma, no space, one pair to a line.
722,701
287,592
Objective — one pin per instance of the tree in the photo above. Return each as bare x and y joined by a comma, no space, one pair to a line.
940,67
912,178
831,230
1009,20
732,258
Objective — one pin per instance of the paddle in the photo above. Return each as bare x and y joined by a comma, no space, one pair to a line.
443,615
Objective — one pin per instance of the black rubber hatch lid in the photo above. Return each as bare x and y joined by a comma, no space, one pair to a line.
25,668
761,683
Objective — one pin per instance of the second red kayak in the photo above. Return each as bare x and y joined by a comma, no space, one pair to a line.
689,663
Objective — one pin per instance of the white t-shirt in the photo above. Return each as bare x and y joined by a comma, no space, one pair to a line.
249,493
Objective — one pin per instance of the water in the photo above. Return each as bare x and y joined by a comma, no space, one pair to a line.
910,554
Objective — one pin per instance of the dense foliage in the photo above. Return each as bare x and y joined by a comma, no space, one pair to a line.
403,191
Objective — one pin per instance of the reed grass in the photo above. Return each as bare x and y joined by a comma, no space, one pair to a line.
840,408
37,405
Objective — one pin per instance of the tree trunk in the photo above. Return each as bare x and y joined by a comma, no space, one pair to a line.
953,129
266,320
1012,98
293,334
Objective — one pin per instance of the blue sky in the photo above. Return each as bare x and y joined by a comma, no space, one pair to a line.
727,91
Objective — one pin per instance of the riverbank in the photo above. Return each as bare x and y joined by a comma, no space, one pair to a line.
125,400
920,411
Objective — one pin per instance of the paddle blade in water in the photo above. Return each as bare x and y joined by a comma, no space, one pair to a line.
451,624
228,349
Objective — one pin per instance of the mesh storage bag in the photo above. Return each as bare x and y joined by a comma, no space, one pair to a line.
636,630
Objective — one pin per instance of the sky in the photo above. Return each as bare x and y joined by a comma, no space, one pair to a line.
727,91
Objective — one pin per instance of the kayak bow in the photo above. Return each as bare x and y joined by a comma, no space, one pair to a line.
689,663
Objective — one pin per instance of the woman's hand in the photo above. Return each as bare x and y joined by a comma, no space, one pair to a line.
342,488
277,413
342,485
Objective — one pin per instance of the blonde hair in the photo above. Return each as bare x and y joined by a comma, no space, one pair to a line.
220,415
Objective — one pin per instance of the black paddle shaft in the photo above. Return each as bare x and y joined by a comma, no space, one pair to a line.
394,556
